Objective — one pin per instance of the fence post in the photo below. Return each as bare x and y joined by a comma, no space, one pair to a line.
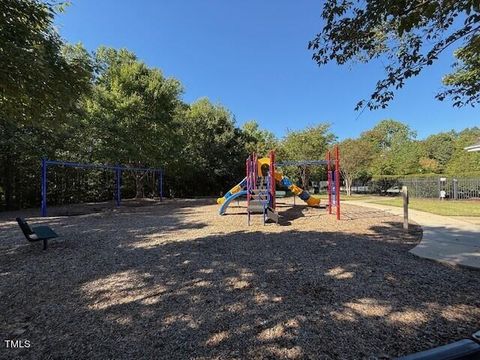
455,189
405,207
439,189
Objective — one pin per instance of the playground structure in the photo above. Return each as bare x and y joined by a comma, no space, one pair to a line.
263,175
117,169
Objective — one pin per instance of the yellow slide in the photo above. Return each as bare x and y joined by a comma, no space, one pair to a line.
302,194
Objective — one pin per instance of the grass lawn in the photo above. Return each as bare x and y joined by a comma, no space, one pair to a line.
448,208
352,197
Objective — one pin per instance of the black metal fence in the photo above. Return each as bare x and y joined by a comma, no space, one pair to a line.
456,188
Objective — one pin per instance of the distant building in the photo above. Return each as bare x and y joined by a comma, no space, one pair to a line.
473,148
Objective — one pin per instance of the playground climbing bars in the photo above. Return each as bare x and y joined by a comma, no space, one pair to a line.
118,178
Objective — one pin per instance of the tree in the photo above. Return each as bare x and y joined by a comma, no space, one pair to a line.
405,158
429,165
356,157
464,81
258,140
394,146
131,113
408,35
213,153
461,160
438,150
40,83
309,144
388,133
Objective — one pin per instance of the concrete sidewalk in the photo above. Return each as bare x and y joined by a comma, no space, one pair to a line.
445,239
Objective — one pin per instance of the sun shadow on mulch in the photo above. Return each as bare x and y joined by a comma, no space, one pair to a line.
127,205
291,213
120,291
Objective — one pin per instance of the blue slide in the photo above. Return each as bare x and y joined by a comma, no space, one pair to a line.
227,202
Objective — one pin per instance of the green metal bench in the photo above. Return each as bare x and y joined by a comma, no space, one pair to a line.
37,233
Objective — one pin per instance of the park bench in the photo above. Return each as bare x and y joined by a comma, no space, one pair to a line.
465,349
37,233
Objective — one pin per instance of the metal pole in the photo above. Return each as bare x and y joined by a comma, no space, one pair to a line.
405,207
455,189
161,185
44,187
264,214
337,180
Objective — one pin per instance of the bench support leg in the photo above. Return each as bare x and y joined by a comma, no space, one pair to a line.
45,244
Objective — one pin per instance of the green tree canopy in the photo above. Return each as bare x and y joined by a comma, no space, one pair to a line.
131,112
394,146
388,134
130,116
464,81
356,158
38,81
439,148
408,36
461,160
258,140
214,150
308,144
41,81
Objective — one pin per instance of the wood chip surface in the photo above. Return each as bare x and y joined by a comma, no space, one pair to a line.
174,280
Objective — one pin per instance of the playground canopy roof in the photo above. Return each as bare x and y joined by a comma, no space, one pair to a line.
303,163
473,148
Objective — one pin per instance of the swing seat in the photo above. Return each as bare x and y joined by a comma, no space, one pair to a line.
37,233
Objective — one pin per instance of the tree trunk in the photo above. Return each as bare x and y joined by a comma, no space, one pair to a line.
8,169
139,191
305,176
8,181
348,185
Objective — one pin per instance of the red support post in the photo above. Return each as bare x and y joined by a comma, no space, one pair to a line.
329,182
337,180
272,178
255,170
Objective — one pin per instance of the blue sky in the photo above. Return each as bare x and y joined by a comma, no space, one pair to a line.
252,57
